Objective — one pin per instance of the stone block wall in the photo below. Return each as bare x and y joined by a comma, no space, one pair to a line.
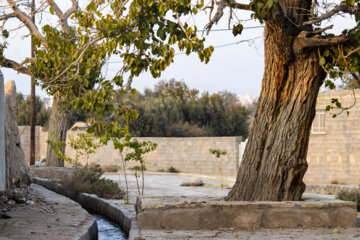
40,140
188,155
334,155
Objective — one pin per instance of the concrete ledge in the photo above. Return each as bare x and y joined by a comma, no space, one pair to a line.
58,173
119,213
195,213
332,189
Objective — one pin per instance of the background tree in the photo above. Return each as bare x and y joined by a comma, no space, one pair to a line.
23,111
174,110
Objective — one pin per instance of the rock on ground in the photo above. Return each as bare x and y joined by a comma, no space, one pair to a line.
17,169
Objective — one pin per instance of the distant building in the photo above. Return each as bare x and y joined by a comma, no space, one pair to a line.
334,146
47,101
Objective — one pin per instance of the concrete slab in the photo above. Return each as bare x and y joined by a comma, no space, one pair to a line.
52,217
168,184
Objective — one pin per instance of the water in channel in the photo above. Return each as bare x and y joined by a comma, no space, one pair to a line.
108,230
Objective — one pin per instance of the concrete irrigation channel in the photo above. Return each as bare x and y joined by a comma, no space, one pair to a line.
113,212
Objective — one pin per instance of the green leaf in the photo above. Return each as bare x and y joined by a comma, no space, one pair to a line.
237,29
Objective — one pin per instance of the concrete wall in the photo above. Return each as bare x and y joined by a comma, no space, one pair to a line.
334,155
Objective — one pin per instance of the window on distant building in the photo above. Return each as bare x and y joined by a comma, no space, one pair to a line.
318,125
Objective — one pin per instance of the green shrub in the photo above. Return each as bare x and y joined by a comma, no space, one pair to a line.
88,180
353,196
173,170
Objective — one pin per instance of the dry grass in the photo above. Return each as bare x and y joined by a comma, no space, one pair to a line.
353,196
110,168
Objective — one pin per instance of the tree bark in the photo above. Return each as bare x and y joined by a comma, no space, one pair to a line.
274,161
58,124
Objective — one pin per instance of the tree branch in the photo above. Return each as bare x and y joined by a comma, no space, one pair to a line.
16,66
236,5
303,41
340,8
6,16
219,13
71,10
26,20
63,17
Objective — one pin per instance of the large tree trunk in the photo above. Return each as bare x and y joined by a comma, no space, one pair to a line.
274,161
58,124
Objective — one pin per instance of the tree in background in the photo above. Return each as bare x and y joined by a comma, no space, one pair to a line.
174,110
23,111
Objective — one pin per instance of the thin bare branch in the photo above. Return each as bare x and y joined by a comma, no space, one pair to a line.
219,13
236,5
181,26
71,10
352,52
340,8
26,20
321,30
7,16
355,76
63,17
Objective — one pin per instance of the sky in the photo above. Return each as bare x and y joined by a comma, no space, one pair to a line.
237,68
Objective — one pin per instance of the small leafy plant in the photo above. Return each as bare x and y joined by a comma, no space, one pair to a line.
84,145
133,150
218,153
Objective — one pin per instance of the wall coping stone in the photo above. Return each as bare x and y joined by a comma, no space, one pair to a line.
196,213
